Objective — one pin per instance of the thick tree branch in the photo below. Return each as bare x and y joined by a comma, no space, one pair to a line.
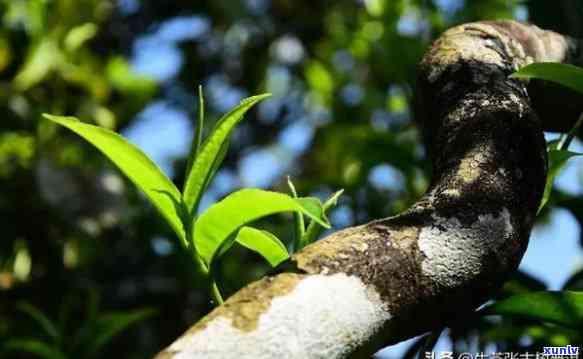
401,276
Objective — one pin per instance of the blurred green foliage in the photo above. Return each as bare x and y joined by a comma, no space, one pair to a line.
56,340
342,74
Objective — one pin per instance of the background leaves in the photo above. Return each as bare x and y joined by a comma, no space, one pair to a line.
562,308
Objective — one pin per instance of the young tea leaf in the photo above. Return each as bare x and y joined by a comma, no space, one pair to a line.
197,140
314,206
564,74
200,173
135,165
217,161
224,218
264,243
314,229
564,308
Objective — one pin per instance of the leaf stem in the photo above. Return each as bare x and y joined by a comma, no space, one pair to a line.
214,288
215,292
190,246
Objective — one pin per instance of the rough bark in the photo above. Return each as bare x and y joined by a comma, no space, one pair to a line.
393,278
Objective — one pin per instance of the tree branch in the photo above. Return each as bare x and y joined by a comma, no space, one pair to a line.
390,279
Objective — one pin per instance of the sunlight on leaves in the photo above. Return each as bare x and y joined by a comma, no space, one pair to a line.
212,152
140,169
264,243
223,219
315,230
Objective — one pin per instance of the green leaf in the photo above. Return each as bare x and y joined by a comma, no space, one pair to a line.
41,319
558,156
568,138
200,120
96,334
264,243
217,161
557,160
564,308
33,346
224,218
314,206
135,165
200,173
314,229
197,139
333,200
564,74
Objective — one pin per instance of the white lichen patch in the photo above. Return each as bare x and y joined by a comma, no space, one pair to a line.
456,253
322,317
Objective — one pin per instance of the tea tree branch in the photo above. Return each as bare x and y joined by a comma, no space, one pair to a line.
390,279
